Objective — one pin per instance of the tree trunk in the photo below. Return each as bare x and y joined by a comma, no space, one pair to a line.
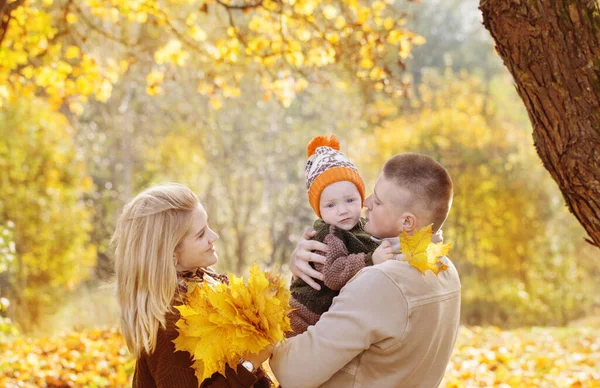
552,49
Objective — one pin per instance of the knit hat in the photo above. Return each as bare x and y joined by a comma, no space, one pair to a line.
327,165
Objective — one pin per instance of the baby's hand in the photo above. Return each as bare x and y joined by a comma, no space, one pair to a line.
383,253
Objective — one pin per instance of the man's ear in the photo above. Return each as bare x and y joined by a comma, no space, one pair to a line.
408,223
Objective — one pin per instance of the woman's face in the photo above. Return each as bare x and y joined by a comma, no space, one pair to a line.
197,248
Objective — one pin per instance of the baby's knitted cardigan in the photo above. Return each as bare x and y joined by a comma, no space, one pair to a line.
344,259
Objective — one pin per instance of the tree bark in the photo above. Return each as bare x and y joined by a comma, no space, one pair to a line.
552,49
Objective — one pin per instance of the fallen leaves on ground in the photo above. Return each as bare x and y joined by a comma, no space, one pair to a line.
94,358
483,357
533,357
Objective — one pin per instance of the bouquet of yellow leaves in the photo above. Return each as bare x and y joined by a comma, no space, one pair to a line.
423,254
219,322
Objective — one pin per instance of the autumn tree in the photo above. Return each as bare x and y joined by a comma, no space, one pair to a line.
42,213
45,45
552,49
79,54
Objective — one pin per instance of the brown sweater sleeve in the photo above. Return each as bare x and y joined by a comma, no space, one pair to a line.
340,266
165,367
240,378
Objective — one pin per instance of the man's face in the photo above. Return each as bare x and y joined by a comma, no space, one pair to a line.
386,208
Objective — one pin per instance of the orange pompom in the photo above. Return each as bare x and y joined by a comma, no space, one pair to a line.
322,141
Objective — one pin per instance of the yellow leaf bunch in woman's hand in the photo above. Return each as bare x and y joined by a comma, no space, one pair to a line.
219,323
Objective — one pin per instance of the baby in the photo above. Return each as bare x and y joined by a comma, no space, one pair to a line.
336,193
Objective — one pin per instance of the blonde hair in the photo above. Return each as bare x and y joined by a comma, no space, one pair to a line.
148,231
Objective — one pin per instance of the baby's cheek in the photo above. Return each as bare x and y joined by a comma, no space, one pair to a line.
327,216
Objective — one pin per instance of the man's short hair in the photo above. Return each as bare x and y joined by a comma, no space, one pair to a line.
427,181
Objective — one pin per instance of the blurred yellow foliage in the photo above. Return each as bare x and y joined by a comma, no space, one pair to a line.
38,49
43,184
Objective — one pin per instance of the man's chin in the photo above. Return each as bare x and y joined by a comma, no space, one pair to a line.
368,229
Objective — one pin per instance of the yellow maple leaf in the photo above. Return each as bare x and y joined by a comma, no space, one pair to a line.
220,323
423,254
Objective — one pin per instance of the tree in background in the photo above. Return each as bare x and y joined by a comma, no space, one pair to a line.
552,50
97,62
45,45
245,160
42,183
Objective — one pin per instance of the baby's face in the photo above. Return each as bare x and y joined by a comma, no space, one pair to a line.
340,205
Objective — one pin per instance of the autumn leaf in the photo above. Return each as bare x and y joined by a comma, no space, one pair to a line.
219,323
421,253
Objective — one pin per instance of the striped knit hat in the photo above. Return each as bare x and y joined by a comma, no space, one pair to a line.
327,165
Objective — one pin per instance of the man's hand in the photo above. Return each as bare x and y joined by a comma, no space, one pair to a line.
383,253
303,255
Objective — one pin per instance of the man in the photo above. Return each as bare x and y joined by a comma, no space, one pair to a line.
391,325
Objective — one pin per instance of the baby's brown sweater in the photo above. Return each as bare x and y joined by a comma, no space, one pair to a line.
341,266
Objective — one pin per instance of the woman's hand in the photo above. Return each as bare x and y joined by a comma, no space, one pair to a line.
258,359
303,255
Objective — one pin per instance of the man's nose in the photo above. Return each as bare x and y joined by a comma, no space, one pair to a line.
367,202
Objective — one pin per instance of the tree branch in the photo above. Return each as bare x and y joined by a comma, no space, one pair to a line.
241,7
99,30
6,9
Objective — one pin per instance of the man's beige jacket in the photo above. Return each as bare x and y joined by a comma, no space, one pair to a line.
391,326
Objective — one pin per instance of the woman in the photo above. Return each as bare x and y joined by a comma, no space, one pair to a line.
163,241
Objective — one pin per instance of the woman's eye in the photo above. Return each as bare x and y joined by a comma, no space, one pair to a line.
350,200
330,205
